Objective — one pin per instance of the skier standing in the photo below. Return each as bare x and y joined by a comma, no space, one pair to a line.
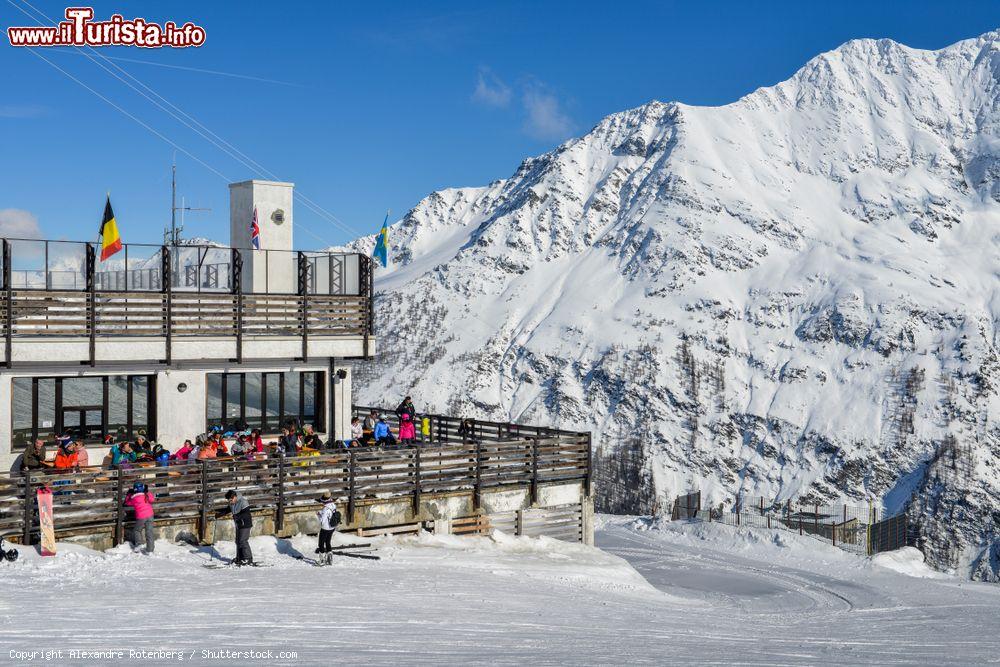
329,519
141,500
240,509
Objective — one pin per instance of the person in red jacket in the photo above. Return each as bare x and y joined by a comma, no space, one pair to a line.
141,500
66,456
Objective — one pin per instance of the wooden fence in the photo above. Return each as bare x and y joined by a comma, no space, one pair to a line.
92,499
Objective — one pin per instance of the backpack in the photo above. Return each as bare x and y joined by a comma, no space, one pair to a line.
335,519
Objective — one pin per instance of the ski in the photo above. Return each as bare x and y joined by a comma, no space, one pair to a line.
231,565
320,563
352,546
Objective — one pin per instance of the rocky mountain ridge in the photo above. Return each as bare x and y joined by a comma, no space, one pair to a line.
795,295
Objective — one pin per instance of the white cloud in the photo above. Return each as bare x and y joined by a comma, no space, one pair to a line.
19,224
546,120
490,89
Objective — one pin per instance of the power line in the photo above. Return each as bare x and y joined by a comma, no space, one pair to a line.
198,127
201,70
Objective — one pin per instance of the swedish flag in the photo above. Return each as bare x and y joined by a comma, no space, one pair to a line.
381,252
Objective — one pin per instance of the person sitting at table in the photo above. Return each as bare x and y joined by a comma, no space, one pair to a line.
256,441
183,453
82,457
122,454
142,450
357,434
34,457
288,443
219,444
242,447
208,452
368,428
310,438
66,456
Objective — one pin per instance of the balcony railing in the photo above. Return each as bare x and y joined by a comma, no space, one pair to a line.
62,289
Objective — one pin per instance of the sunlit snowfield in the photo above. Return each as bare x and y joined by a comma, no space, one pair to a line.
670,593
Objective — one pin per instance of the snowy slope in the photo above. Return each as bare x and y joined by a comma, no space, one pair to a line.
688,594
795,295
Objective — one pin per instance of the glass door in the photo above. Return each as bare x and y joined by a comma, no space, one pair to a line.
83,423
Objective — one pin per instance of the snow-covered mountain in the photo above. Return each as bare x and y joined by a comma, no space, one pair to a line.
796,295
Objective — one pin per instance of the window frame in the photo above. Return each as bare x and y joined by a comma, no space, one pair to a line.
58,427
270,424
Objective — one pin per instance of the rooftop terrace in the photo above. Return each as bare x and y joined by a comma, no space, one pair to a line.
60,301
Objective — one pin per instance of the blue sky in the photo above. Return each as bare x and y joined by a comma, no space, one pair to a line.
373,107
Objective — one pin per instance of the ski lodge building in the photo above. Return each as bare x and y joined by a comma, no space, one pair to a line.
177,340
174,341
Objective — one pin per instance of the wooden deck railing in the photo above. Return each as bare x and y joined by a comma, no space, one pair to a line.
92,499
98,310
68,314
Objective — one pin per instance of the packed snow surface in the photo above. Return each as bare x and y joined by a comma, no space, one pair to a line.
656,594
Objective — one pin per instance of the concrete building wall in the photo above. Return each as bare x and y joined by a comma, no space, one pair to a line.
179,414
198,348
340,405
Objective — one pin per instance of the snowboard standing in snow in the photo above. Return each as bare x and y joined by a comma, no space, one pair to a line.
45,521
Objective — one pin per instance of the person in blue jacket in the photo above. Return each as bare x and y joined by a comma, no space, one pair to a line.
383,436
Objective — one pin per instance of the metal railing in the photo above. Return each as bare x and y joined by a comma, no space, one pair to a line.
210,293
63,265
852,528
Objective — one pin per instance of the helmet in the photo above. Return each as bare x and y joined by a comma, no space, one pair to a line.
139,487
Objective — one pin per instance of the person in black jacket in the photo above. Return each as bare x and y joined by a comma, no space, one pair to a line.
240,509
406,407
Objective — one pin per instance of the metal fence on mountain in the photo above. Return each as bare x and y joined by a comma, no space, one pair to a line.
853,528
888,534
687,506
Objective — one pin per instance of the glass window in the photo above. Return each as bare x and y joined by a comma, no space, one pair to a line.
118,404
23,413
309,399
272,393
82,391
264,400
234,409
140,404
45,420
292,402
78,406
214,400
253,399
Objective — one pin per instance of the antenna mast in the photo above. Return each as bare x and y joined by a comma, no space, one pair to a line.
172,236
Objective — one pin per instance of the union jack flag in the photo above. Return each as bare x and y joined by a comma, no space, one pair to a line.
254,231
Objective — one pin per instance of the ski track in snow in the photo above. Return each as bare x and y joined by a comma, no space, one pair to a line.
707,594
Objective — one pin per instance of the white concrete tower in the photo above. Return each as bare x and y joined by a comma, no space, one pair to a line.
274,271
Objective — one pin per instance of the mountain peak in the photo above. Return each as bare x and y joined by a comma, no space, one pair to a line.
792,295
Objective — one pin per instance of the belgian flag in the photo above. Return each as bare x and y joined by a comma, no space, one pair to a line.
111,242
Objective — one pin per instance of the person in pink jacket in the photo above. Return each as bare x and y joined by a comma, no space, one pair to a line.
407,429
141,500
184,452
